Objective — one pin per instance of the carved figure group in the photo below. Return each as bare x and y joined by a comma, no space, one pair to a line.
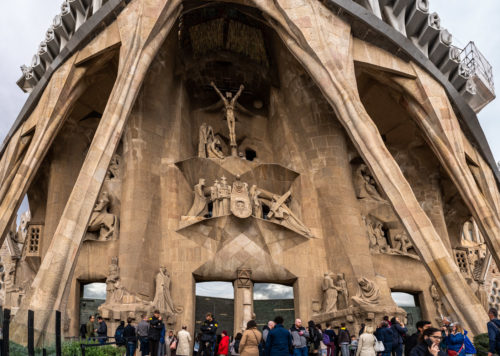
229,107
335,293
376,235
114,289
243,202
402,243
365,184
209,145
436,299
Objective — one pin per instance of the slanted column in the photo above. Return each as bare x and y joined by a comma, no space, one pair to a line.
243,299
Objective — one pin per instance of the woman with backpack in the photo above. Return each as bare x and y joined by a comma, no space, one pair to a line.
455,340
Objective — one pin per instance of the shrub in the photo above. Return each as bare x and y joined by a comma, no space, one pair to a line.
481,343
69,349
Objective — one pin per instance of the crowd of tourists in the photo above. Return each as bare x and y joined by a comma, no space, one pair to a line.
390,338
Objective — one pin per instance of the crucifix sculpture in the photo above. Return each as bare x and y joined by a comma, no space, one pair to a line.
229,105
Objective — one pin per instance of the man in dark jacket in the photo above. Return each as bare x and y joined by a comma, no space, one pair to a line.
493,332
398,331
279,340
154,333
344,340
208,335
130,338
384,334
412,341
102,331
330,348
314,336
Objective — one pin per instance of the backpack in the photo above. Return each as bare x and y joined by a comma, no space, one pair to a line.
236,346
120,340
326,339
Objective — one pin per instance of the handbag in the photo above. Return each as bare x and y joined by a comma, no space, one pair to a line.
455,353
173,345
379,346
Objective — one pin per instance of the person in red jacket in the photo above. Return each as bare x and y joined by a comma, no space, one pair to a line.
224,344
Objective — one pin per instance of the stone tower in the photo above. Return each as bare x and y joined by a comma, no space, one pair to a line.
312,144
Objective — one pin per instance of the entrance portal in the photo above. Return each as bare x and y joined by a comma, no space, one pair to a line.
216,298
92,296
271,300
409,302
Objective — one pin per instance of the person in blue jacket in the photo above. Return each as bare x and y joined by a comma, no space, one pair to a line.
455,340
279,340
493,332
398,331
384,334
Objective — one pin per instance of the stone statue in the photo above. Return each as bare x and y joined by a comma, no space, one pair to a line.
402,242
224,197
368,293
436,298
199,207
256,203
114,168
330,293
372,237
112,280
229,104
240,199
214,198
101,220
163,299
381,238
341,285
364,184
281,213
209,146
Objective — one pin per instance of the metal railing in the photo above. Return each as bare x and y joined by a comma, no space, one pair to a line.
476,64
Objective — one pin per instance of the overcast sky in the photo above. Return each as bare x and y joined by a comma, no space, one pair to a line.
23,24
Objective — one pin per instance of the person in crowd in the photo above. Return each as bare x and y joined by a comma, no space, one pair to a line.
398,332
493,332
299,338
223,349
455,340
102,330
249,344
154,333
267,329
332,336
361,329
196,346
445,328
384,334
183,342
344,340
322,345
171,344
470,350
91,329
366,342
208,335
412,340
279,340
129,335
119,339
142,334
428,343
386,319
314,338
218,338
234,347
337,344
353,346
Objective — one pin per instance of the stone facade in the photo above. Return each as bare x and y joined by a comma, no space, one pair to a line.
258,143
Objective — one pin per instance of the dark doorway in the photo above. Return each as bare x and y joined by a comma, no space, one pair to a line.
271,300
410,303
92,296
218,299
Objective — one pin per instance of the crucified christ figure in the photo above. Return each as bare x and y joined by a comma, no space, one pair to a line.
229,104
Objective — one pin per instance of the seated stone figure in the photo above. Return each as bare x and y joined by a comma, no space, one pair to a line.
101,220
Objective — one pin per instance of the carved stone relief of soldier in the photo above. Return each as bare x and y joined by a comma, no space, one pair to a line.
256,203
199,207
240,199
114,290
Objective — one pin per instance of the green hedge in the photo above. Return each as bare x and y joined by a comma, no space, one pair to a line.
70,349
481,343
